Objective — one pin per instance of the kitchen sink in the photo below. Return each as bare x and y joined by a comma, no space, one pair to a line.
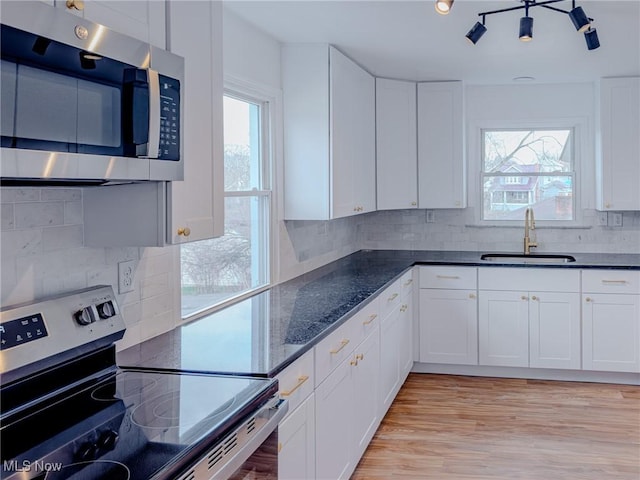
522,258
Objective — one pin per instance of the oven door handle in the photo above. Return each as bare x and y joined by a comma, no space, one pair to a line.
275,413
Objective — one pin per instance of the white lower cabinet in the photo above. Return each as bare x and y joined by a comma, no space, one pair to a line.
365,371
346,416
334,451
529,318
503,328
448,315
611,320
396,341
297,443
296,433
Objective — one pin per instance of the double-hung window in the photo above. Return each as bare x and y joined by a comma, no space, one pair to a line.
217,271
528,168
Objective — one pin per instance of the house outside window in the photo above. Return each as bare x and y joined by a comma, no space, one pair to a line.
218,271
524,168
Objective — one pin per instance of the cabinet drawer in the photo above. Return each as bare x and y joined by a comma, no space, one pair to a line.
334,349
392,295
450,278
529,279
365,321
296,382
611,281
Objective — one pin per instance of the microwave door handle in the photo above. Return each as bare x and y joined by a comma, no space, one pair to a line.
154,114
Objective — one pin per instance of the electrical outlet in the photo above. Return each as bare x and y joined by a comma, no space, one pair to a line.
616,220
431,216
601,218
125,276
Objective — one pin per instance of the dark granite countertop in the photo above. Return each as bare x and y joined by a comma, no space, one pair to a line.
263,334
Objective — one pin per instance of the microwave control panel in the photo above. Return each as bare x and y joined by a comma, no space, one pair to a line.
169,119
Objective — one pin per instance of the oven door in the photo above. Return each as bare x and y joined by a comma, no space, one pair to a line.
250,452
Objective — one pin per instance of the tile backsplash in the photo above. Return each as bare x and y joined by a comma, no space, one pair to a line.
455,230
43,253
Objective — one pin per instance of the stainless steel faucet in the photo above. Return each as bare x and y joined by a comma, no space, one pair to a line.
529,224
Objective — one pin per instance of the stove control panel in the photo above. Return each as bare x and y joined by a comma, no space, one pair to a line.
22,330
62,324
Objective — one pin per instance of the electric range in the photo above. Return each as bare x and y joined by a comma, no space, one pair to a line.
69,412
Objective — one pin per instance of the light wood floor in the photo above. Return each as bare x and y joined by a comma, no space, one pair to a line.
451,427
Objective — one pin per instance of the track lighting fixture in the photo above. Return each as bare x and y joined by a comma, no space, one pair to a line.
443,6
476,32
577,15
591,36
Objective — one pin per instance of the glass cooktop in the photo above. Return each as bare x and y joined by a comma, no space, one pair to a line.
130,425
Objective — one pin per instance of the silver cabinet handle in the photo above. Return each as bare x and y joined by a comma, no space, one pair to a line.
153,147
448,277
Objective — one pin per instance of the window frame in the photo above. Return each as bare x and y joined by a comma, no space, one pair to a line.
581,176
269,106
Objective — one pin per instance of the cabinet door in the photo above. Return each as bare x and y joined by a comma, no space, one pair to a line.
554,330
619,127
611,332
296,443
352,127
503,328
441,167
366,413
144,20
197,203
389,358
449,326
334,424
396,148
405,346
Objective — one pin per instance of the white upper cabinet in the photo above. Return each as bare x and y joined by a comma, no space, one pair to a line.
144,20
329,134
396,147
441,163
618,164
197,203
163,213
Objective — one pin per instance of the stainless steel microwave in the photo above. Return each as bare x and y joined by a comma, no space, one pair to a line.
85,104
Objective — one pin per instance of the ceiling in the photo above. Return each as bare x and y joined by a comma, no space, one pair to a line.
409,40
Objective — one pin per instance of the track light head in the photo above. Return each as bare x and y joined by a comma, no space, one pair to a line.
526,29
476,32
579,19
591,37
443,7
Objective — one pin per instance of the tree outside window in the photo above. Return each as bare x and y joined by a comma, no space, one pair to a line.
528,168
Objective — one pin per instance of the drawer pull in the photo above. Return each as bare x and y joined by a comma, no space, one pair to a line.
371,319
301,380
403,308
588,299
343,344
408,282
524,297
472,296
535,298
448,277
357,358
614,282
392,297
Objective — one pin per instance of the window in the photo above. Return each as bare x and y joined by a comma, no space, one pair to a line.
528,168
218,270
